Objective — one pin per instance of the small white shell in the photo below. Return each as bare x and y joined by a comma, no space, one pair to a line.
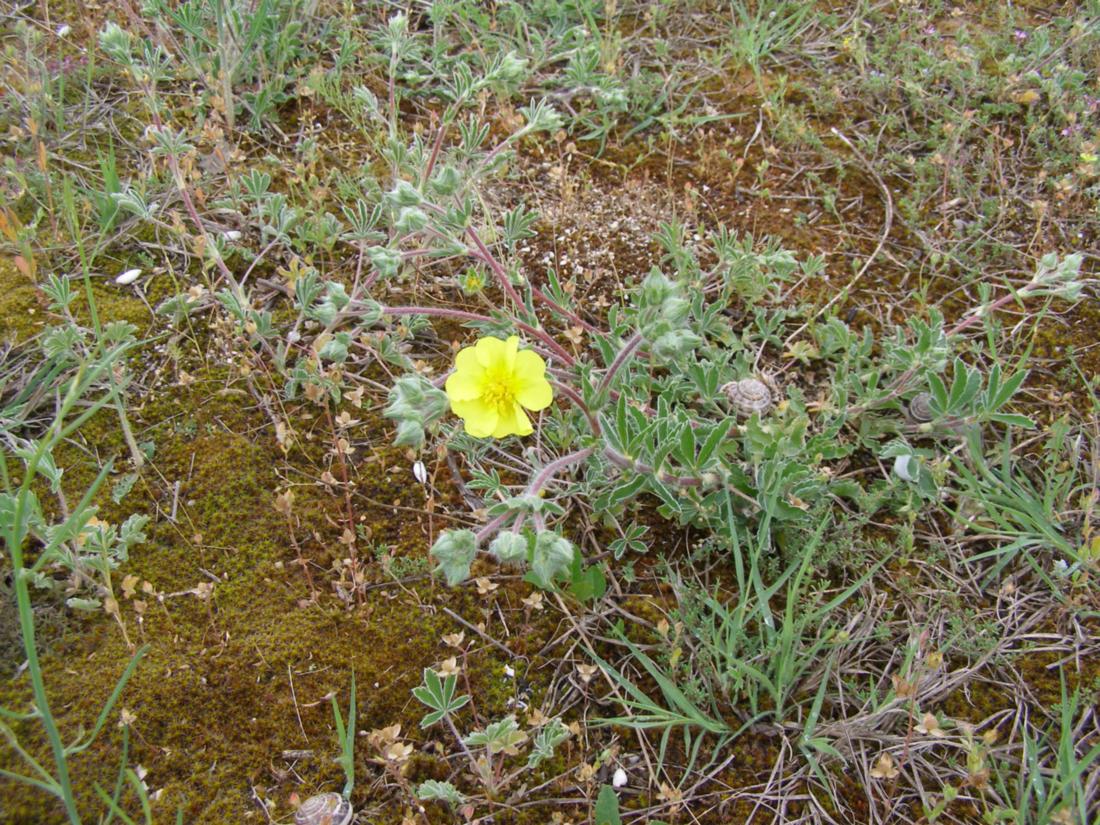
324,809
907,468
749,396
420,472
619,779
128,277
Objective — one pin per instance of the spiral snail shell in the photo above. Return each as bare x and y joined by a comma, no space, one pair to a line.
324,809
748,396
920,408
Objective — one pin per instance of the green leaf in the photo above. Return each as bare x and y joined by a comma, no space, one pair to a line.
438,694
498,737
588,583
939,393
122,487
442,791
607,807
1014,420
455,550
553,555
1008,389
549,736
509,547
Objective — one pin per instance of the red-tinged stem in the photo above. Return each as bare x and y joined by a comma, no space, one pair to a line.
494,525
578,402
435,153
483,252
537,483
628,349
627,463
440,312
443,312
551,469
974,317
502,276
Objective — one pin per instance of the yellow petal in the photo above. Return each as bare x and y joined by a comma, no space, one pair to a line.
467,360
514,422
466,382
465,385
480,419
491,352
532,389
535,396
511,351
529,365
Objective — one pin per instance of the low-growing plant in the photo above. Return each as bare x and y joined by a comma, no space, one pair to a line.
345,737
649,406
487,749
37,543
1055,780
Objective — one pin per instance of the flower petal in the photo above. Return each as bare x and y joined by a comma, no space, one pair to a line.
465,385
467,381
467,359
479,418
536,395
532,389
491,351
529,365
512,349
513,422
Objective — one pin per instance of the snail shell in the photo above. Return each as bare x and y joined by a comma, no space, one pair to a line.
324,809
748,396
920,408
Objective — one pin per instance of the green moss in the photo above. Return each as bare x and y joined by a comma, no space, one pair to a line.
213,695
22,307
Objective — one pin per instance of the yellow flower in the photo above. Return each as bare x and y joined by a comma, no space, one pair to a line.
493,382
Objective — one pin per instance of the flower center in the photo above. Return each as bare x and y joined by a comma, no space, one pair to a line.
499,393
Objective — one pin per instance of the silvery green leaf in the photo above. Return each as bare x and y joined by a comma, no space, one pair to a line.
553,555
123,487
337,294
59,291
116,42
410,219
336,348
413,397
498,737
366,98
60,340
119,331
509,547
409,434
446,180
132,530
541,116
398,26
370,312
404,194
675,343
83,604
550,735
455,550
443,791
386,261
510,67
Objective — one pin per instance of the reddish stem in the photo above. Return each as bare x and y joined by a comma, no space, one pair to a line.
443,312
